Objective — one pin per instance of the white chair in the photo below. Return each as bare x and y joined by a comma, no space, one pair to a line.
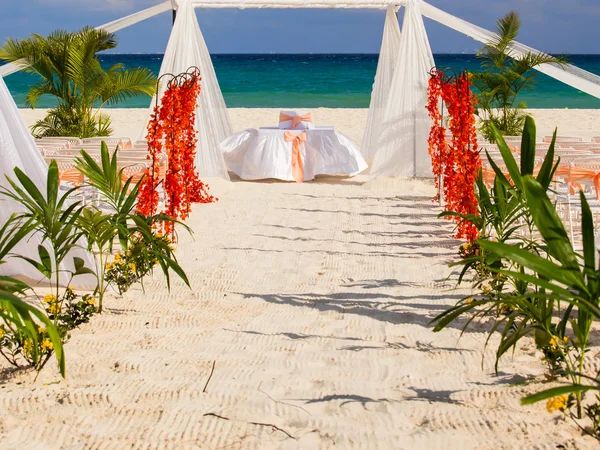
295,120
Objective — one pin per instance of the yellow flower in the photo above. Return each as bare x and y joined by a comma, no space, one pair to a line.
486,288
54,308
2,332
118,257
71,289
558,403
566,340
91,301
109,266
554,341
41,330
50,298
47,345
469,301
132,266
27,346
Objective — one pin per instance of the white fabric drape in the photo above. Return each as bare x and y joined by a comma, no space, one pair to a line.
18,149
402,148
388,57
186,48
111,27
260,154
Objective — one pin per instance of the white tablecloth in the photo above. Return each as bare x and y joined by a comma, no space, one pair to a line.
259,154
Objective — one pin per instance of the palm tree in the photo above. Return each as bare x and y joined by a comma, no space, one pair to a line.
506,73
70,71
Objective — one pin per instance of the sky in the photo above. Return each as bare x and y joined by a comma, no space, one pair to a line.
555,26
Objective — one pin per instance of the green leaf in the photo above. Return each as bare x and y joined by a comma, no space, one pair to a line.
561,390
549,224
546,171
508,158
528,147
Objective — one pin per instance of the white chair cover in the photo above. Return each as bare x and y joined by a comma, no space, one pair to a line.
302,125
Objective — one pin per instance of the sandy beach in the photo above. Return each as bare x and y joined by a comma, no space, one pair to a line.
351,122
312,302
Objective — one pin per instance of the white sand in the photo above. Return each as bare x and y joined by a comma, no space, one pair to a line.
314,301
352,122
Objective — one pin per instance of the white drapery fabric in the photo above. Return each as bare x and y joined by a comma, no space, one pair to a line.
265,153
388,58
186,48
402,148
18,149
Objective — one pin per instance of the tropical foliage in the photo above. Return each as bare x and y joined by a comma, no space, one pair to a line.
70,71
505,73
29,336
530,280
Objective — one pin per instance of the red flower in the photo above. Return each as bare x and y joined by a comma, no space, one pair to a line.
457,161
174,123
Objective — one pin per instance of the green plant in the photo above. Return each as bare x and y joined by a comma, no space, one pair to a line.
132,231
561,277
20,334
70,71
54,219
505,74
504,218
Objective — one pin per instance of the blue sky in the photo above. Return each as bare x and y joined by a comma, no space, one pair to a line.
551,25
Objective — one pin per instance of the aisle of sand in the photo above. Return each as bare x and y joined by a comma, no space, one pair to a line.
313,303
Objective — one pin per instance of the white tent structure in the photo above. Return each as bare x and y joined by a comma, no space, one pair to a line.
396,130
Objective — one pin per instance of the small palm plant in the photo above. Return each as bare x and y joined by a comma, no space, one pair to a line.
141,247
69,70
505,74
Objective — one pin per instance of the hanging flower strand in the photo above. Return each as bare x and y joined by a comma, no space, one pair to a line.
172,151
456,162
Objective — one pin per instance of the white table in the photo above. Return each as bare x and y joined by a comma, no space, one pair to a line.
264,153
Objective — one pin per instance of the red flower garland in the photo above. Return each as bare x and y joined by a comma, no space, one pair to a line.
458,162
174,121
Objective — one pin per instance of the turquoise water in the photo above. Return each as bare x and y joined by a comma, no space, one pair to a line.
333,81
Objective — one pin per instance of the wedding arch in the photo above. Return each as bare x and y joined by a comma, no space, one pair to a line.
397,125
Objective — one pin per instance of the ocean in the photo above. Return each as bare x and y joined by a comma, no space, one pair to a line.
320,80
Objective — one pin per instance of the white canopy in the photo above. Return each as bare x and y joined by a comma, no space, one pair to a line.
395,132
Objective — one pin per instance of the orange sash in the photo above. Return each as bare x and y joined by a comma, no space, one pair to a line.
295,119
580,174
297,165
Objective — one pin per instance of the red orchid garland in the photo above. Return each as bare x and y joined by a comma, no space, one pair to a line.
456,162
174,122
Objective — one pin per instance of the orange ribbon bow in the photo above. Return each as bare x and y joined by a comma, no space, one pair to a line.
297,165
295,119
581,174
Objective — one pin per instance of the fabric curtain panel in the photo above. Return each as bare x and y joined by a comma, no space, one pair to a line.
388,57
402,148
18,149
186,48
